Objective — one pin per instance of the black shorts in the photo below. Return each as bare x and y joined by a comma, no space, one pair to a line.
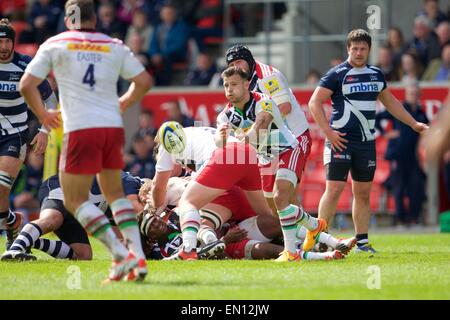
360,158
14,145
71,230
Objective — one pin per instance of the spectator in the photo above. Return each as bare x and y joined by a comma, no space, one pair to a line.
141,27
142,164
335,62
396,42
406,175
410,69
439,69
127,8
168,44
425,42
146,125
174,113
14,10
386,64
43,20
443,33
136,44
203,73
107,22
432,12
313,78
208,19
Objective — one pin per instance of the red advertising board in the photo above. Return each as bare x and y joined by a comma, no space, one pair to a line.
203,106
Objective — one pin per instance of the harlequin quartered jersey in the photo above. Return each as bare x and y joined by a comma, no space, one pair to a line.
355,92
87,66
279,139
270,81
13,109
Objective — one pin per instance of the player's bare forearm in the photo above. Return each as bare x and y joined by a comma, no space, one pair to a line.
396,108
29,90
318,114
140,85
315,104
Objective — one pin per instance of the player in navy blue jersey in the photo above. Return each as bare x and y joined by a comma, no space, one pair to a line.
14,124
354,87
74,242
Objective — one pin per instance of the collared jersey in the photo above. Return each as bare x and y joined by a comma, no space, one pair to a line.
87,66
355,92
279,137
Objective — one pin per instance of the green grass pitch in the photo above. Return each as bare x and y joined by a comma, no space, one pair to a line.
409,266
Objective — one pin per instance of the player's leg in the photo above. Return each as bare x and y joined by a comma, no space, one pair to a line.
9,169
110,182
361,211
363,172
196,196
213,215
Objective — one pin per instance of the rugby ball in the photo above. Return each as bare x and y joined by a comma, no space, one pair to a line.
172,137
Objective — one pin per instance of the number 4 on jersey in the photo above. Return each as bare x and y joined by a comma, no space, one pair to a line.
89,76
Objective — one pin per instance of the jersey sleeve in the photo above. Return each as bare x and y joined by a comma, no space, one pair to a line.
131,66
222,118
131,184
330,80
276,87
165,161
266,105
41,64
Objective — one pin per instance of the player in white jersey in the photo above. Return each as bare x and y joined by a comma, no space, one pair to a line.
87,65
270,81
198,155
258,118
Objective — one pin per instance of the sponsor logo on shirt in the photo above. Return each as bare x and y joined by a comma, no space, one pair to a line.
88,47
8,87
266,106
351,79
364,87
272,86
371,164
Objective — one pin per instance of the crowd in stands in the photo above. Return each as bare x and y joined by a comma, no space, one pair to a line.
169,36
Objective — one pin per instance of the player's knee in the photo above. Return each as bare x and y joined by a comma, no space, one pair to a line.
333,193
281,199
81,253
6,181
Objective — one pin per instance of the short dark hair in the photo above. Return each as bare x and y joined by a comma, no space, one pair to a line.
359,35
231,71
87,9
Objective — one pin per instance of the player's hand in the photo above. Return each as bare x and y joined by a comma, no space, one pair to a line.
39,142
336,139
51,119
420,127
235,235
223,130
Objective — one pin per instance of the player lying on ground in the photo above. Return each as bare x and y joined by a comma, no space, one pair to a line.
74,241
232,207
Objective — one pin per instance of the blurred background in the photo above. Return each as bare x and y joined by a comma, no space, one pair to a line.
182,44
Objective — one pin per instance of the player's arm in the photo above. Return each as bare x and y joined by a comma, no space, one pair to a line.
29,89
223,130
398,111
159,188
318,98
437,138
140,85
260,128
276,86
